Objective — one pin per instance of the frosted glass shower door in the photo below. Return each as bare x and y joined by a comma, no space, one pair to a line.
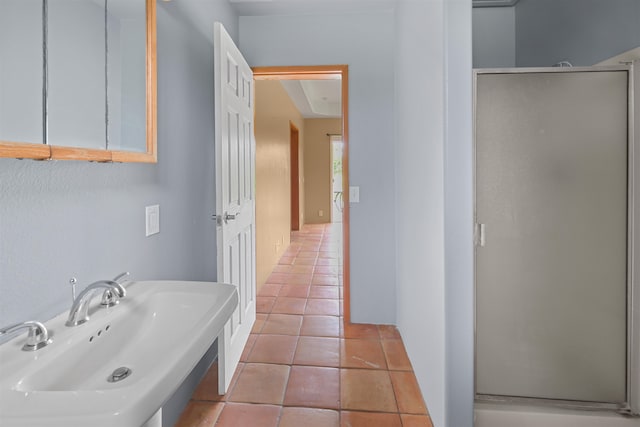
551,275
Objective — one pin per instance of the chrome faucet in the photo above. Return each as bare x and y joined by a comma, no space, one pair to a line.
37,337
78,314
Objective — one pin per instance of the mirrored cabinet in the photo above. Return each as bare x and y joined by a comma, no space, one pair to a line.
21,71
78,80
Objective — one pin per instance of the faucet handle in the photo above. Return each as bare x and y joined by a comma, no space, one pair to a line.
123,275
37,337
109,297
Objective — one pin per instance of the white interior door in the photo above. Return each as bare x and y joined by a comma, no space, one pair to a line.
235,189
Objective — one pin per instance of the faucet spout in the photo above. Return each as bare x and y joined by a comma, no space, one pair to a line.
78,314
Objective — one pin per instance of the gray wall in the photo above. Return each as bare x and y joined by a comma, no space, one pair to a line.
433,202
458,213
64,218
540,33
494,37
583,32
419,151
364,41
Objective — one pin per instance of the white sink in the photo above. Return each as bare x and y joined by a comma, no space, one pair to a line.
160,330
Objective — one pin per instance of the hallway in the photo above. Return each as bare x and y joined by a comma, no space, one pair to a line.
302,367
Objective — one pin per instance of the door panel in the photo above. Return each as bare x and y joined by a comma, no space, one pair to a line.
551,278
235,205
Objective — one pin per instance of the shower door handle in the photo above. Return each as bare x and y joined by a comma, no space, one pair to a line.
480,234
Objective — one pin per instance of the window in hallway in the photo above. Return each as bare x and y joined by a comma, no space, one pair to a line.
337,147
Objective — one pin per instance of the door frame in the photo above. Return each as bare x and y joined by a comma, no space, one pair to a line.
632,404
294,150
326,72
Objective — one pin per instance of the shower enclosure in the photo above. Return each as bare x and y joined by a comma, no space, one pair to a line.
556,211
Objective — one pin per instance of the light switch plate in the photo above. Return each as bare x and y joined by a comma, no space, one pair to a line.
354,194
152,219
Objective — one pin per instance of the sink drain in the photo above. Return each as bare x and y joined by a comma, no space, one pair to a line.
119,374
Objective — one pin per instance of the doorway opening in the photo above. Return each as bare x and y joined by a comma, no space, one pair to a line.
331,72
337,205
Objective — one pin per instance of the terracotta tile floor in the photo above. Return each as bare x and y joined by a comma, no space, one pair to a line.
302,367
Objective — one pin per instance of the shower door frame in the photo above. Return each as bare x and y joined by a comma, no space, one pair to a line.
631,406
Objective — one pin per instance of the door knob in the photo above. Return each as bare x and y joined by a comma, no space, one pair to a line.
226,217
230,217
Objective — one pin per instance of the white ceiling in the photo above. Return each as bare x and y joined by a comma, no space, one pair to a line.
316,98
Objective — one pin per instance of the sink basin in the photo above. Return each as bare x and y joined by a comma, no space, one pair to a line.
159,332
